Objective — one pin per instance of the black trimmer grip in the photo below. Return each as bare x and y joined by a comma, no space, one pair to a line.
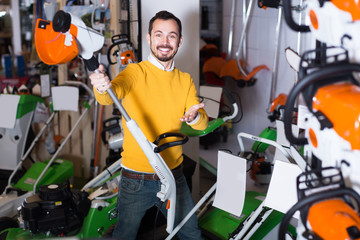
92,64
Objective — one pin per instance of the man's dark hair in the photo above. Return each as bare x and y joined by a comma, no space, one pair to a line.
165,15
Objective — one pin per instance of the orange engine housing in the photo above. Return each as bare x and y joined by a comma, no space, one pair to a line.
341,105
330,219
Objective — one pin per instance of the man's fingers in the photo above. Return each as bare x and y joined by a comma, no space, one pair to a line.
196,107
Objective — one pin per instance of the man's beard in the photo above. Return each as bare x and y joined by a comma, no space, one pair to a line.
164,58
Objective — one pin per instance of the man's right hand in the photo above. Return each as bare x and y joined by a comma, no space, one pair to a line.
100,80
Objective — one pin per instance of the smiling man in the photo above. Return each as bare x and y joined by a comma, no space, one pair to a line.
159,97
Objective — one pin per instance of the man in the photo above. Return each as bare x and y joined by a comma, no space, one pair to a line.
159,98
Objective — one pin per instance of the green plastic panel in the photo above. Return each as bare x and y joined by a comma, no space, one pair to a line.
58,172
97,220
221,223
27,103
212,125
267,133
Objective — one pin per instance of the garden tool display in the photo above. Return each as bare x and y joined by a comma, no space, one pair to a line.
55,170
331,139
331,95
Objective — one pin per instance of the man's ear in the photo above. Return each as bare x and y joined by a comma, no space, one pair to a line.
148,38
180,41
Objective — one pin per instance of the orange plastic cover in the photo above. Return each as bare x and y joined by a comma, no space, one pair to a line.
341,105
50,45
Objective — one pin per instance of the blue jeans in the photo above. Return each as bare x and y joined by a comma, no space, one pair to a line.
135,197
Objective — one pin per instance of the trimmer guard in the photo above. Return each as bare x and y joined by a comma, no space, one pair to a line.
50,44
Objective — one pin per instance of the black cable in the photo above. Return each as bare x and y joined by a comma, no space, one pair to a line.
221,104
228,106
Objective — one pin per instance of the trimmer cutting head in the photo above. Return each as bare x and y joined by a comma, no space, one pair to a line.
50,44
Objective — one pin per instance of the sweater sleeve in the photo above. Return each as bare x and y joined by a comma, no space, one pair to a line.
202,123
121,85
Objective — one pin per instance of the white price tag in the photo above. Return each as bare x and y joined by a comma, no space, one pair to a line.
45,85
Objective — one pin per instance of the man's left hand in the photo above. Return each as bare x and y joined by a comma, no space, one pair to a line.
191,114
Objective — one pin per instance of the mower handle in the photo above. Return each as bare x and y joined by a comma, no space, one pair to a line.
260,139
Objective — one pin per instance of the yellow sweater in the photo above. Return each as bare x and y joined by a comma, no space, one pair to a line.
156,100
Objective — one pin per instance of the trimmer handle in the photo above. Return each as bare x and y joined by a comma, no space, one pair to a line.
183,139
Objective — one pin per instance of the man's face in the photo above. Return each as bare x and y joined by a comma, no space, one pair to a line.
164,40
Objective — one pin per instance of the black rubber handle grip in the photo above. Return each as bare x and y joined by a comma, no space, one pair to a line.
160,148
